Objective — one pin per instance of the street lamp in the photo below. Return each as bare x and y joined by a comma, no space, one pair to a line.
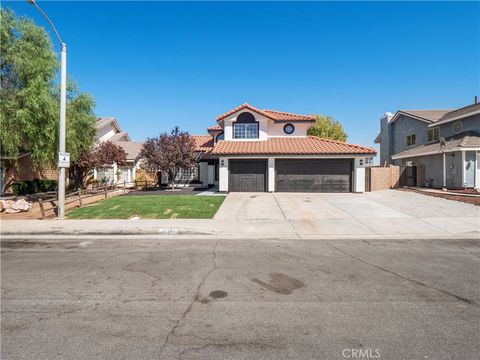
63,108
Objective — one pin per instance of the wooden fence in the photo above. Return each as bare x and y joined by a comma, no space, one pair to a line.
78,196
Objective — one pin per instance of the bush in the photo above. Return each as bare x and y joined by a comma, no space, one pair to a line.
31,187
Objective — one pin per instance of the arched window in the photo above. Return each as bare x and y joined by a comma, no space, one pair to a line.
219,137
246,127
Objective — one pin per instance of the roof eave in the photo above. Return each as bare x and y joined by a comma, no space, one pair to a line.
440,122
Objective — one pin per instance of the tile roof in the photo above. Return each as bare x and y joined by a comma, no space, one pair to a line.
271,114
215,128
466,139
308,145
131,148
203,143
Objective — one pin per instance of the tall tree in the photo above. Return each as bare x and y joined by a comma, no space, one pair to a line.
29,96
328,128
99,157
169,153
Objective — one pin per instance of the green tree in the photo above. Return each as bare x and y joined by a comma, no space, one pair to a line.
328,128
29,96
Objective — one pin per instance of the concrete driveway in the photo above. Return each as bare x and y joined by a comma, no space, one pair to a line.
382,213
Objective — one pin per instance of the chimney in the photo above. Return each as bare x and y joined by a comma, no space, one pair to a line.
475,99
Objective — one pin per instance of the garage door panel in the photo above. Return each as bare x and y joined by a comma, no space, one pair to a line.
247,175
319,175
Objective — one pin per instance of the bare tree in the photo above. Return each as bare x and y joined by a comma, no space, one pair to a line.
169,153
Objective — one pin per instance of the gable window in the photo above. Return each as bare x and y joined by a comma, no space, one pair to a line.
411,139
246,127
433,134
288,129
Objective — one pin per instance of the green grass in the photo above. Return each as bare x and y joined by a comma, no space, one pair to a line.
151,207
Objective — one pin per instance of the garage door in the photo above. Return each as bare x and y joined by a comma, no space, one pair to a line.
314,175
247,175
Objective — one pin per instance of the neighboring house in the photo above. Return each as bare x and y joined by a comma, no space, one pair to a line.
445,143
265,150
109,130
21,169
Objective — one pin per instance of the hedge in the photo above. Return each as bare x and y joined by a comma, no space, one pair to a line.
32,187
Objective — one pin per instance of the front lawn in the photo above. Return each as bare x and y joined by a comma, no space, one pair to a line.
151,207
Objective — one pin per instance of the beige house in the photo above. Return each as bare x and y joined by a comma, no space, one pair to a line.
108,129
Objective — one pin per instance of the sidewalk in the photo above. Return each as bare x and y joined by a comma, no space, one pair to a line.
388,228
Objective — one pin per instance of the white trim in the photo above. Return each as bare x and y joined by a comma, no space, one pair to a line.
398,156
455,118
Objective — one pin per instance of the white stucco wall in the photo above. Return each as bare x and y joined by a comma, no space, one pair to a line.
223,174
262,125
276,129
359,175
271,174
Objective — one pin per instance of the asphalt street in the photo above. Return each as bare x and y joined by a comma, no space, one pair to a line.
175,298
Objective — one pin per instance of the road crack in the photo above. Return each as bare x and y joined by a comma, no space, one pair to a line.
446,292
196,296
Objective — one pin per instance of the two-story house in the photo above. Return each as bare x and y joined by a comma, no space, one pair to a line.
108,129
265,150
446,143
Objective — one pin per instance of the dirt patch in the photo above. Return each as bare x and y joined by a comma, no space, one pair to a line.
280,284
466,199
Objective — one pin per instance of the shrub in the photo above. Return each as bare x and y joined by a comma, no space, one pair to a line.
31,187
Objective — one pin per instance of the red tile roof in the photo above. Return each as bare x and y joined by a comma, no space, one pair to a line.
215,128
308,145
271,114
203,143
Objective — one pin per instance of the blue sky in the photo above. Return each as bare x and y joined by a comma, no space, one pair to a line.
154,65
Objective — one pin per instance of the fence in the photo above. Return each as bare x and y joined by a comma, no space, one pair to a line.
78,196
382,178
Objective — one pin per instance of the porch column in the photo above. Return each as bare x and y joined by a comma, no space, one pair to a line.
444,170
115,179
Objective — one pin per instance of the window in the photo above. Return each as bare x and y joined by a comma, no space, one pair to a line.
411,139
220,136
245,127
105,175
187,174
433,134
288,129
457,126
245,131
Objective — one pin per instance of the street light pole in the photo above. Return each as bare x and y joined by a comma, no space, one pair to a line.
63,112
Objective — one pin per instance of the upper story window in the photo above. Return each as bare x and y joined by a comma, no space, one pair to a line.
433,134
219,137
246,127
288,129
411,139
